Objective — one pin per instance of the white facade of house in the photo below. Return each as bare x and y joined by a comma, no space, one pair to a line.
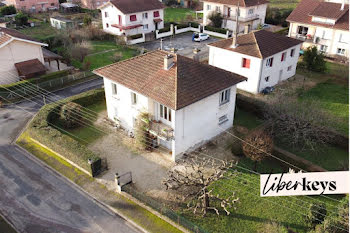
17,51
113,16
259,74
329,40
249,16
192,125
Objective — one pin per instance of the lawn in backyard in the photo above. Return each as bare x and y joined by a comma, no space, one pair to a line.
283,4
246,119
178,14
87,134
40,32
102,54
254,211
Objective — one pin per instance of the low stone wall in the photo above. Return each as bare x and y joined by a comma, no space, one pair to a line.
165,34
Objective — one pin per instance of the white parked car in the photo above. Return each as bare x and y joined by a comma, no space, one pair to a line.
200,37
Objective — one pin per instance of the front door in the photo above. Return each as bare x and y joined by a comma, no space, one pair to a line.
156,24
120,19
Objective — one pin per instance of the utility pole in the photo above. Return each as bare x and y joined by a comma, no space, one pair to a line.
161,44
235,31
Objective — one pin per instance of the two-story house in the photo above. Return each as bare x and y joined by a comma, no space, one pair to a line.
324,24
21,56
264,57
131,17
189,102
251,13
34,5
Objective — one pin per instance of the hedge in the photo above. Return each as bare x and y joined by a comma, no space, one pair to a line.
42,129
182,26
214,29
194,24
283,31
134,37
166,29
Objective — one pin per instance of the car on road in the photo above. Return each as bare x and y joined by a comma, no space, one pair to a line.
200,37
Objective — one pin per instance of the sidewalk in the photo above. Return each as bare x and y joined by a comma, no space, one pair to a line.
146,220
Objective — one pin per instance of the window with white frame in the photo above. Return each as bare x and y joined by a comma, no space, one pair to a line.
340,51
106,14
289,68
292,52
267,78
223,119
324,48
145,15
250,11
208,7
225,96
133,98
145,27
114,89
164,112
217,9
269,62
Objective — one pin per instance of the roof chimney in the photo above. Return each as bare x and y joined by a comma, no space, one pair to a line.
235,31
168,61
342,5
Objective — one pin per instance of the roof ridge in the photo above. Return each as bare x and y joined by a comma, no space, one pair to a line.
257,44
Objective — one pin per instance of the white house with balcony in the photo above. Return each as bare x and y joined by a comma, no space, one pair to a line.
188,102
251,13
131,17
264,58
324,24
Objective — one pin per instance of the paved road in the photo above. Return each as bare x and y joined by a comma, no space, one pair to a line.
34,198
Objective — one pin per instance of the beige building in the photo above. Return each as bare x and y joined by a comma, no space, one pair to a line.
324,24
21,57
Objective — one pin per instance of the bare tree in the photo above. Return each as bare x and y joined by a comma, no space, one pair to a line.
299,123
257,145
193,178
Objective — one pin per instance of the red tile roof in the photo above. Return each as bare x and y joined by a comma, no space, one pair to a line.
303,14
4,38
133,6
186,82
243,3
17,34
260,44
27,68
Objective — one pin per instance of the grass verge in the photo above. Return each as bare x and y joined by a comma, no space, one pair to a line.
5,227
128,208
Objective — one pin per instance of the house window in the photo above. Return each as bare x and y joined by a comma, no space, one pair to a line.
52,4
246,63
269,62
107,25
340,51
223,119
145,15
289,68
250,11
217,8
292,52
133,98
106,14
324,48
302,30
340,37
267,78
164,112
225,96
114,89
156,14
283,57
208,7
145,27
132,17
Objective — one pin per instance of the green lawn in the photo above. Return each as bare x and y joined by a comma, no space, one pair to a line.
86,134
5,227
254,211
283,4
246,119
178,14
102,54
40,32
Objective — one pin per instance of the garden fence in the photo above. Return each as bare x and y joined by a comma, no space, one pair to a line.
28,89
162,209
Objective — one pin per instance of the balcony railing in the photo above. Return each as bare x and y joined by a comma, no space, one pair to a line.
161,130
306,38
242,19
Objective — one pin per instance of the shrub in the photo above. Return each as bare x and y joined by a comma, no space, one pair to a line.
273,227
182,26
117,56
194,24
171,3
8,10
134,37
316,214
71,115
80,51
165,29
236,148
87,20
314,60
141,131
214,29
216,19
21,19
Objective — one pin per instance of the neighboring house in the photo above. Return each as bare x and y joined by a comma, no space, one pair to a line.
34,5
61,22
189,102
92,4
252,13
131,17
322,24
264,57
21,57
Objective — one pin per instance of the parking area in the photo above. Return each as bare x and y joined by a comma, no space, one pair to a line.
181,42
